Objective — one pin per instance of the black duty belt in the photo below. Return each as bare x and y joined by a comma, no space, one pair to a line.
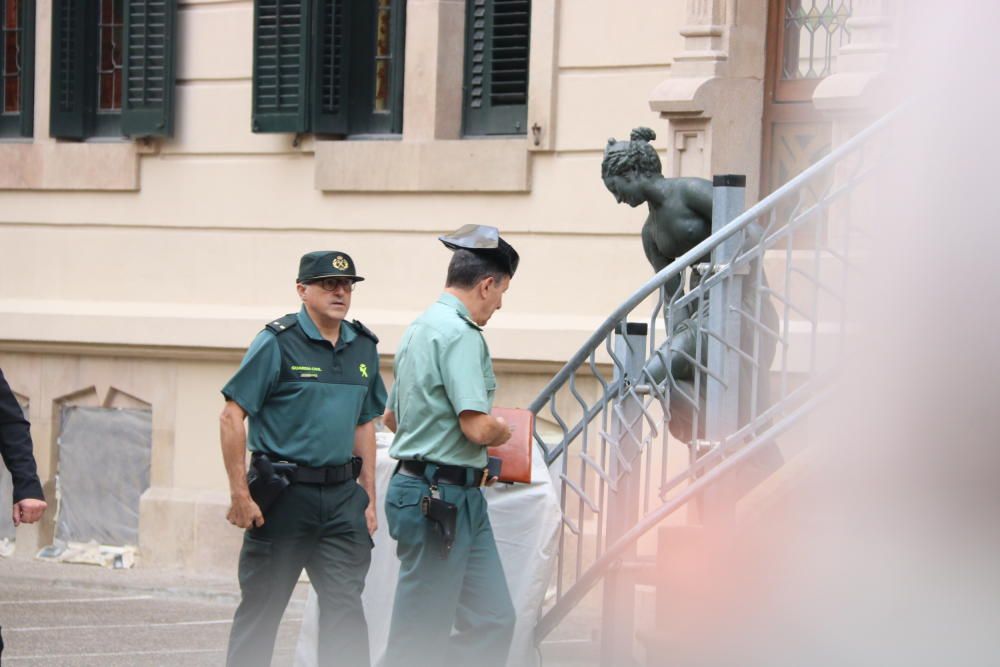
442,474
301,474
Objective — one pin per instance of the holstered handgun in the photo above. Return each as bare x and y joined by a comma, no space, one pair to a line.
443,515
267,480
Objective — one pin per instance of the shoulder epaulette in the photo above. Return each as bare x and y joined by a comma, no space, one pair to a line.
468,320
283,323
364,330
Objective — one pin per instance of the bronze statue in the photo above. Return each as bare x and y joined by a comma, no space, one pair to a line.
680,217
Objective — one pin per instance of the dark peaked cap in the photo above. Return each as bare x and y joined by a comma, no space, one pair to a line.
483,240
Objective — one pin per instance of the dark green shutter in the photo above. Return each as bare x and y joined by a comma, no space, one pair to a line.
69,98
281,66
331,48
148,70
498,34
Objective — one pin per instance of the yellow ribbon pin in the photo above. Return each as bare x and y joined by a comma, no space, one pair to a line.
364,370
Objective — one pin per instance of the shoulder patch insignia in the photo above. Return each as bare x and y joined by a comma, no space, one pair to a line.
283,323
362,329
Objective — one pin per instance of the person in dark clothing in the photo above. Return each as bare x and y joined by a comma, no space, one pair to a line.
16,449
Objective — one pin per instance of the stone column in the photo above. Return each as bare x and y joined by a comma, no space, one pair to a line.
714,96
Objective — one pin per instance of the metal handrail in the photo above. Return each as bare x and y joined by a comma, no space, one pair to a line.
613,552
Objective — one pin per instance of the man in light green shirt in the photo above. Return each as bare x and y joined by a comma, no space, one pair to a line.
452,606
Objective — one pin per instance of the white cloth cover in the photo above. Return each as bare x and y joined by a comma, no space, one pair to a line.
525,520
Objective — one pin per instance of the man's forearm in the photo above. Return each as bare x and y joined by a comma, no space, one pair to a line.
16,448
482,429
364,446
234,447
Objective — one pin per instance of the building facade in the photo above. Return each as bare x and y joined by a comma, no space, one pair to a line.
164,164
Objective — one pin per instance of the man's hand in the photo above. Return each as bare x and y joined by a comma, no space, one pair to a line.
28,510
371,518
243,513
389,420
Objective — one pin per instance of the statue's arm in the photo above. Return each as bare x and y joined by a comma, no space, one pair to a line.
698,197
652,253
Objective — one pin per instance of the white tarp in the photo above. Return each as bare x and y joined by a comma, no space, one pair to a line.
525,520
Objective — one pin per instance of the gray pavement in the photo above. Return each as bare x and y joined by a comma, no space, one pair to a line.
83,615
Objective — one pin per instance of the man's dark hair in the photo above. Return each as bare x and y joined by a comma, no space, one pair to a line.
467,268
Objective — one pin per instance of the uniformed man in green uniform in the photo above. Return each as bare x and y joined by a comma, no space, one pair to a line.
310,388
452,607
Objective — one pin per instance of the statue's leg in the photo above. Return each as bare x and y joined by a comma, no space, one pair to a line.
684,414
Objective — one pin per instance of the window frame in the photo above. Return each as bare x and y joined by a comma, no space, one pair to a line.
363,120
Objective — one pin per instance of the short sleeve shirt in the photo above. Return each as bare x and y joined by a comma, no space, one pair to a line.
442,368
303,396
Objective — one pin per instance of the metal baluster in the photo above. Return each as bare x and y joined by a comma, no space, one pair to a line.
618,611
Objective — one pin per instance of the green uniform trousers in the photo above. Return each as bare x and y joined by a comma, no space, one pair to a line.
454,611
321,529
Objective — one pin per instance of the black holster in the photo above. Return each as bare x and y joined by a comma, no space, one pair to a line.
267,480
443,515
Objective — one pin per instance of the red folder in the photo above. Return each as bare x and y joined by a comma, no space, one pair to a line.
516,452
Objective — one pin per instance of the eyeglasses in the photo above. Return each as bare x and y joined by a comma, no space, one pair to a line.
334,284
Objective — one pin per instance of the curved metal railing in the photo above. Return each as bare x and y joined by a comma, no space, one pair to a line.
635,420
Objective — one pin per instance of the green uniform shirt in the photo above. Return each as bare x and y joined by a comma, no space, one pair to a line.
442,368
304,397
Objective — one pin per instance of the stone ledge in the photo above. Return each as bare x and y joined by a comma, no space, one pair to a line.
215,331
56,165
474,165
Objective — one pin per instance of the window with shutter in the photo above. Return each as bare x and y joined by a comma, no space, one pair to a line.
281,66
328,66
496,66
17,67
112,68
148,68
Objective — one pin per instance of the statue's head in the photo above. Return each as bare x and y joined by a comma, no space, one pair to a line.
627,165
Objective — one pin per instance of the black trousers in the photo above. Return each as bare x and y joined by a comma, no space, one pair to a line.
321,529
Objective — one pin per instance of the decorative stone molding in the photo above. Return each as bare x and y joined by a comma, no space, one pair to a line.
714,94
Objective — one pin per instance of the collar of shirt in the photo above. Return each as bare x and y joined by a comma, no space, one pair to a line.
347,333
453,301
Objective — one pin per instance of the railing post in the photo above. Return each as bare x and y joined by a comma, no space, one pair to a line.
625,463
722,403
